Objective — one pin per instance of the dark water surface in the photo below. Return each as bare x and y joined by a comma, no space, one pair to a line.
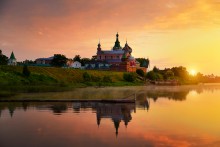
164,116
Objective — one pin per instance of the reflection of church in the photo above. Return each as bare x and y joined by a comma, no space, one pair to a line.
117,112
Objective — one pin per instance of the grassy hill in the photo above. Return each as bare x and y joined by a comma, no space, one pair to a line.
42,75
53,79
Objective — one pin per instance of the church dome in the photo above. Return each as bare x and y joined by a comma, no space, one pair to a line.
117,43
127,48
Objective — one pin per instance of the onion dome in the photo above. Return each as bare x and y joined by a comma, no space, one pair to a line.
99,47
117,45
127,48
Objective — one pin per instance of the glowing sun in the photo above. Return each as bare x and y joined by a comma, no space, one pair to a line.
193,72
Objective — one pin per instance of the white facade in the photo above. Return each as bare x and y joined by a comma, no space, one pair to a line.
76,64
12,62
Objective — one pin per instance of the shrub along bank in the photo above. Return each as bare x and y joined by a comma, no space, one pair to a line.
38,79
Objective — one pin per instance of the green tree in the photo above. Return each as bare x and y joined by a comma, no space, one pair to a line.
77,58
155,69
93,58
151,75
84,61
130,77
181,72
3,59
168,74
143,62
29,62
59,60
159,76
140,72
86,77
26,71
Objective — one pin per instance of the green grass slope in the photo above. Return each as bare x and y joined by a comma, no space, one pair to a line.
12,75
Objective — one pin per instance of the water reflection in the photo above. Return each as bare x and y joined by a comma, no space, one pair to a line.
173,95
160,117
123,111
143,98
117,112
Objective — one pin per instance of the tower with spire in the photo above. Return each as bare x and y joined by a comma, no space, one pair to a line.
117,43
99,47
12,60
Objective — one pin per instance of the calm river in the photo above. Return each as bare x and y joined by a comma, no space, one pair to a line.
161,116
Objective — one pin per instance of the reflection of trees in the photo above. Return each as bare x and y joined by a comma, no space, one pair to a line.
178,96
11,106
155,94
59,108
11,110
25,106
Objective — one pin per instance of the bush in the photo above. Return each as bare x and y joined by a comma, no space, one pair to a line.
154,76
169,74
26,71
107,79
140,72
86,76
130,77
95,78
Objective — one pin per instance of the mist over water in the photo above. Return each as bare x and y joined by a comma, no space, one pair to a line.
161,116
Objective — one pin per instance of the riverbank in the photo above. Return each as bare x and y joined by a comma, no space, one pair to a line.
50,79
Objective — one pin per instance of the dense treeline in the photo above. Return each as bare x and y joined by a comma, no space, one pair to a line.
3,59
180,75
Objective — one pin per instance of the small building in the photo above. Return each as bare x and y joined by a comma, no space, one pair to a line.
76,64
12,60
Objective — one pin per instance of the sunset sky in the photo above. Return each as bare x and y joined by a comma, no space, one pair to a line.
168,32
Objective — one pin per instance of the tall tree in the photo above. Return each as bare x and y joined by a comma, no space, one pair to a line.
3,59
77,58
84,61
59,60
143,62
26,71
